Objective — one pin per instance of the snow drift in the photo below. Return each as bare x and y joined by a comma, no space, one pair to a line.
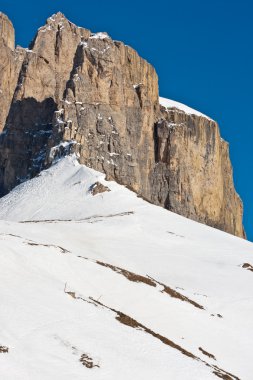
109,286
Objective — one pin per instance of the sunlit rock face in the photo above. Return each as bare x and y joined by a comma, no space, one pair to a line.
194,161
75,91
7,33
10,65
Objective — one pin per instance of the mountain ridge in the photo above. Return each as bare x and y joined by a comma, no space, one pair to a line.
96,97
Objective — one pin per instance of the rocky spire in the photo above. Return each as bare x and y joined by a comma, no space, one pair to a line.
7,32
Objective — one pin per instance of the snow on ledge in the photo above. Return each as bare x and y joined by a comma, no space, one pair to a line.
100,36
168,103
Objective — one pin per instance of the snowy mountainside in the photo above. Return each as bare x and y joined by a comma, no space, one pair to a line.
103,285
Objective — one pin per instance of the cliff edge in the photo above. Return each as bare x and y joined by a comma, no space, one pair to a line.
76,91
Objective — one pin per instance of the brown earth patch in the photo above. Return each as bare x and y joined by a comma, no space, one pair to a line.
207,353
129,275
148,281
129,321
173,293
224,374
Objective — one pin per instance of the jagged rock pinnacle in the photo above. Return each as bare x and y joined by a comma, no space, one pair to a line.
7,32
57,17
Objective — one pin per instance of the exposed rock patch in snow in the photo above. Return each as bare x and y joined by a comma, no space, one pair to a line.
98,188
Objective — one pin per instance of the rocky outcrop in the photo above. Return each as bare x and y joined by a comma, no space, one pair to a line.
99,188
193,175
74,91
10,64
7,33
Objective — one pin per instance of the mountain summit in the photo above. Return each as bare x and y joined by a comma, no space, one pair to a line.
82,92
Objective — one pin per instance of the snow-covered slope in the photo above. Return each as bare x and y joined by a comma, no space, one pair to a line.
168,103
108,286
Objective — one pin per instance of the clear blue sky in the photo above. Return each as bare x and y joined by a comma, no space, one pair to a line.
202,51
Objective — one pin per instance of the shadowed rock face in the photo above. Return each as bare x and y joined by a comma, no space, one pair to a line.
23,145
99,96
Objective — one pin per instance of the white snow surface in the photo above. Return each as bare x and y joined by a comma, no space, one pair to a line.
168,103
47,329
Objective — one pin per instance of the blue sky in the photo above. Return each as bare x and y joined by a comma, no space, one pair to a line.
202,51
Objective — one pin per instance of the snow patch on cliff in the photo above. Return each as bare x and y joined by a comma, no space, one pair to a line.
168,103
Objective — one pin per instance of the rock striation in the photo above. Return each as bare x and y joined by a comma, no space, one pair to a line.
76,91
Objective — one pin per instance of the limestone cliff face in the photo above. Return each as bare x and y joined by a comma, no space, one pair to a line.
7,33
85,93
194,161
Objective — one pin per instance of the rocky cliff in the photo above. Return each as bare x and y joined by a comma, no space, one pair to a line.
75,91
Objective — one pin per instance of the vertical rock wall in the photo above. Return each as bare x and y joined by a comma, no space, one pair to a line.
193,175
7,33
